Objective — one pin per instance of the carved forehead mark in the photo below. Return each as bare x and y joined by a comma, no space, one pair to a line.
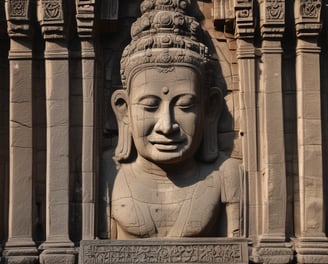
165,90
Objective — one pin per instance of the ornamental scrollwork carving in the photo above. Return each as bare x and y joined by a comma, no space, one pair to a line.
275,10
310,8
159,253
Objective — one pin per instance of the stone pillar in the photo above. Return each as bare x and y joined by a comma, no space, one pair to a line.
311,242
85,22
20,247
4,120
272,246
58,247
246,63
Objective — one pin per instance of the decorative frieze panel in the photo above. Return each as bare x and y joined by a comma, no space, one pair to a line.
164,251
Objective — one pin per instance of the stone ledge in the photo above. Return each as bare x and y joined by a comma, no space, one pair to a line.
187,250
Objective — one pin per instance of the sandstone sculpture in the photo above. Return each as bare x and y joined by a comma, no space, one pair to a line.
172,180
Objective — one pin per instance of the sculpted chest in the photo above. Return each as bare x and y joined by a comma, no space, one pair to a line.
159,208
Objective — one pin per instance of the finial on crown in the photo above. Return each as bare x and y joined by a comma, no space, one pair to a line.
166,34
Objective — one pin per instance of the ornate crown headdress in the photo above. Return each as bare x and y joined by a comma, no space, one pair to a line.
165,34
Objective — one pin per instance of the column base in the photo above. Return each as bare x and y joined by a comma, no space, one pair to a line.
58,252
311,249
272,250
20,252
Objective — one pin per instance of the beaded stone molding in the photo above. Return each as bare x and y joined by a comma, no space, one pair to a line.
165,35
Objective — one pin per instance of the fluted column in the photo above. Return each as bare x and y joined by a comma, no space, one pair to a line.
20,247
311,242
85,24
244,12
58,247
272,246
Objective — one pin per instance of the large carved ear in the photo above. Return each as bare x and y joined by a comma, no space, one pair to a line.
214,106
120,107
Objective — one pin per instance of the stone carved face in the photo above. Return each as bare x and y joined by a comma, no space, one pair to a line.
166,114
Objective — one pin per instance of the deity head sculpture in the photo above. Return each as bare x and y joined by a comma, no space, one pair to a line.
168,112
167,63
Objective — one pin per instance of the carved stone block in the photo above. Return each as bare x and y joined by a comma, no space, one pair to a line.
196,250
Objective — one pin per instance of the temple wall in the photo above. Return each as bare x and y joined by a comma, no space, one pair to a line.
275,69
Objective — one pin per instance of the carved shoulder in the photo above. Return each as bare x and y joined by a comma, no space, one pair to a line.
230,180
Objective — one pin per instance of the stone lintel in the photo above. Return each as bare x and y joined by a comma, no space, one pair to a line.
192,250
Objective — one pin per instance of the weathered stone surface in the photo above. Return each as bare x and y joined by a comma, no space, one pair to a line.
59,67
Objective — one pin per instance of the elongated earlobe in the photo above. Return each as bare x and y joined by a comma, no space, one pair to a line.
214,106
120,107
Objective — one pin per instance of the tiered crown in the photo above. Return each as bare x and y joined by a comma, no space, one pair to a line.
164,35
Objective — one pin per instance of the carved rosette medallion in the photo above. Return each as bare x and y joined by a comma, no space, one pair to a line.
52,10
275,10
18,9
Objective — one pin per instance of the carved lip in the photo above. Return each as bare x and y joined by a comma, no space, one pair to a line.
166,144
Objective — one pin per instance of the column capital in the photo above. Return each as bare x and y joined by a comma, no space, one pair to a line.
19,14
85,16
51,16
244,12
272,19
307,18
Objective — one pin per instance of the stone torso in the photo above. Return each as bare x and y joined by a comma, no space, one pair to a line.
155,206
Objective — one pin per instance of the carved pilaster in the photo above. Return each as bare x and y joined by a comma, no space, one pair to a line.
244,12
4,73
272,246
311,243
85,22
58,246
20,247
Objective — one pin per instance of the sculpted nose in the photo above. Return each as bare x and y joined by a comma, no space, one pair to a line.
166,123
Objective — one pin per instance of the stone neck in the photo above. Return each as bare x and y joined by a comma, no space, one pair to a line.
182,170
